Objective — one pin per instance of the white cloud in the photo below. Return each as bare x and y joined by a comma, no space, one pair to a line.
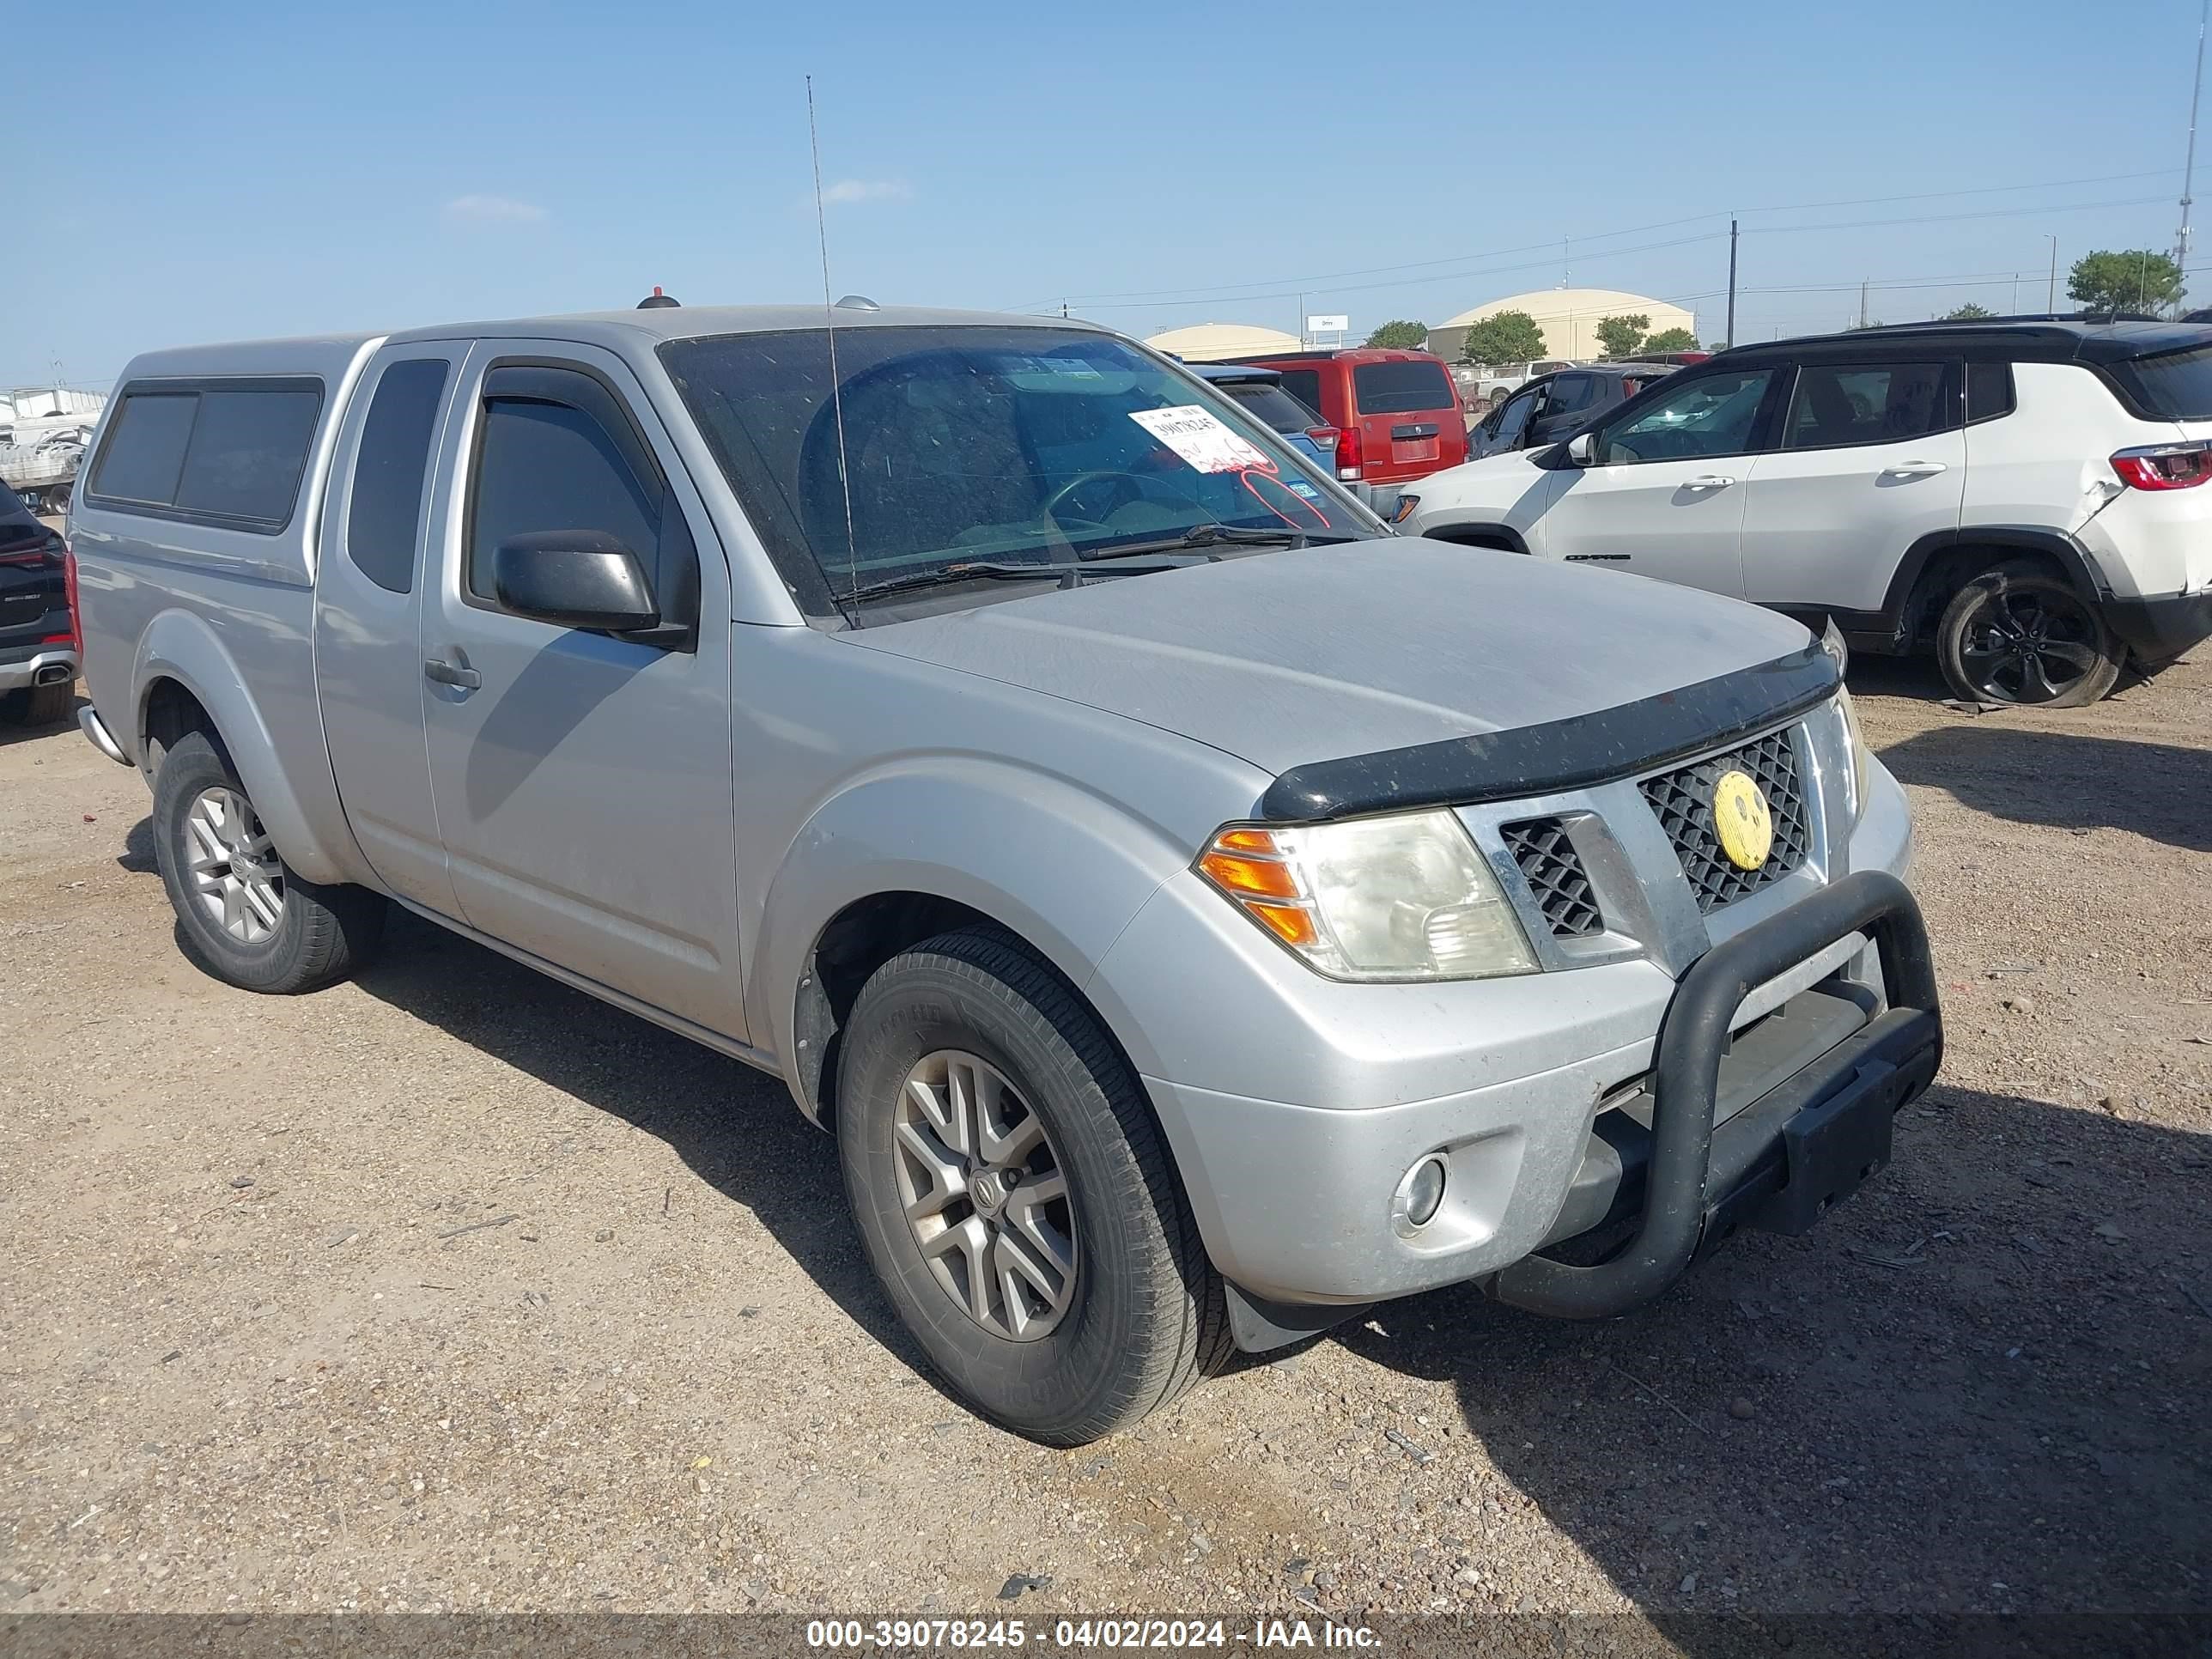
492,211
865,190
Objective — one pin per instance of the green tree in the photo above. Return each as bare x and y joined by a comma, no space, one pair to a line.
1400,335
1621,334
2126,279
1968,312
1672,339
1507,336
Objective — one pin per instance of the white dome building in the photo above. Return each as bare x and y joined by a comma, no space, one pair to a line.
1569,318
1224,342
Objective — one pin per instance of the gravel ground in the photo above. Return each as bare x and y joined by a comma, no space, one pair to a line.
452,1289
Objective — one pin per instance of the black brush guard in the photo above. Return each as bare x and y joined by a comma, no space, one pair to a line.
1821,1132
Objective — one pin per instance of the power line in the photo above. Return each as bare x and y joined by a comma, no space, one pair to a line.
1404,282
1950,218
1215,298
1979,190
1199,293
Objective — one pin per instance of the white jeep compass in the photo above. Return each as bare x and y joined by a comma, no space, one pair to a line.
2021,497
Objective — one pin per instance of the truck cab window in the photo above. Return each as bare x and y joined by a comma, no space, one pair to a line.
392,470
543,465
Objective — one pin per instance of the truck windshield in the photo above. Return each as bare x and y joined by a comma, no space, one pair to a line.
967,444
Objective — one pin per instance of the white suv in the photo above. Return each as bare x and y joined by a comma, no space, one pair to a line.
2021,497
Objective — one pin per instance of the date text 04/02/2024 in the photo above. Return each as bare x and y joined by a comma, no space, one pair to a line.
1142,1634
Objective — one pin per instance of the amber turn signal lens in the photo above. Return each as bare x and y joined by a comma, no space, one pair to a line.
1288,922
1265,878
1248,840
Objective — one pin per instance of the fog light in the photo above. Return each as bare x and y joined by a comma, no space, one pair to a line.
1420,1193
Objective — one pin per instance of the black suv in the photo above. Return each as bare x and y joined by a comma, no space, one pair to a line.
1553,406
38,643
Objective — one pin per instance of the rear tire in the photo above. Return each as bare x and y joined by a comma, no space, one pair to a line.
2021,634
1139,1315
39,705
246,917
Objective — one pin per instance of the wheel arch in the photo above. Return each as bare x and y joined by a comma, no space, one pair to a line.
902,855
187,680
1503,536
1935,567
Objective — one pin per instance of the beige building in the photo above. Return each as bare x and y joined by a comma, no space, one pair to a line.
1569,318
1222,343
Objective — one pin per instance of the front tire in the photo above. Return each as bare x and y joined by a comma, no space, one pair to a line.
1015,1197
2021,634
245,916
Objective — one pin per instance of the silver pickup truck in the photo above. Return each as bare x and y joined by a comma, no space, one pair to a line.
1198,912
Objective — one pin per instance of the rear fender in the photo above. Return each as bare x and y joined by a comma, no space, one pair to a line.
180,647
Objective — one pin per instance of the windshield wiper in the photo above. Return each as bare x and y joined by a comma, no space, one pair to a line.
1215,535
1066,574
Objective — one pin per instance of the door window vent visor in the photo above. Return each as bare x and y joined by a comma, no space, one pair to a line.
1555,874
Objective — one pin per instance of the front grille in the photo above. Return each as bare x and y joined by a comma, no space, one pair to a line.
1554,870
1683,798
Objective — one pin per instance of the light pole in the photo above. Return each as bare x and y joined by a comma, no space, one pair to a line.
2051,304
1731,301
2188,168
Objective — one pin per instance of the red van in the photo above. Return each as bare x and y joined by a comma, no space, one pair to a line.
1397,414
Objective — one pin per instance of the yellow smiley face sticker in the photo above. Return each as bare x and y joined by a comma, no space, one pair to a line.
1742,820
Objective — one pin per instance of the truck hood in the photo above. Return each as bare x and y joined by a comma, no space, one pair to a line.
1321,653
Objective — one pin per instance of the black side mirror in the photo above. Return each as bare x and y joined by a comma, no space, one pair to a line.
576,578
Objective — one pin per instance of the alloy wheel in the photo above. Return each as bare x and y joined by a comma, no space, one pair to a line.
232,866
985,1195
2029,646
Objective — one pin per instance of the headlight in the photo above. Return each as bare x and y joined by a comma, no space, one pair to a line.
1406,898
1854,740
1405,509
1831,642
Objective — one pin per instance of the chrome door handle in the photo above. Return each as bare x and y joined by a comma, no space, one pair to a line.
1914,470
1709,481
437,669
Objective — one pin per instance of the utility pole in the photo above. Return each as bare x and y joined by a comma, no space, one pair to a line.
1863,289
2189,169
2051,304
1731,311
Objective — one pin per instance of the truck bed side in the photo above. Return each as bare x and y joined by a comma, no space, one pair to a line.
193,618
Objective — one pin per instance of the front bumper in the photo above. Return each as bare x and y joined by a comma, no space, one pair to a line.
36,665
1293,1115
2158,630
1767,1127
1782,1161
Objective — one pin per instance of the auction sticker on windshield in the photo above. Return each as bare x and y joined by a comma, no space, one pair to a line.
1198,435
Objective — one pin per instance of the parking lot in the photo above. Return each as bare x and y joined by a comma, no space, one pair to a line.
452,1288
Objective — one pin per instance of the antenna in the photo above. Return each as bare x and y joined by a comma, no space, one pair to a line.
830,328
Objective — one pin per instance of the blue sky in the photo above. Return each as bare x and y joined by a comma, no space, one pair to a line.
248,170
